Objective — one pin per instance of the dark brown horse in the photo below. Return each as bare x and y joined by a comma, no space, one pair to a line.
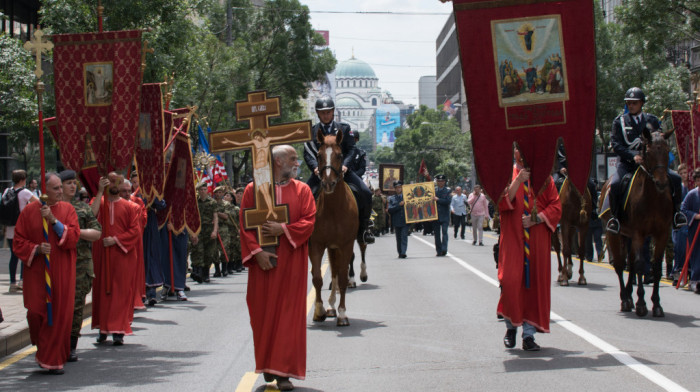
649,210
335,229
575,214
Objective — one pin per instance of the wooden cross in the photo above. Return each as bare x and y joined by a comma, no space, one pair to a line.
37,46
261,136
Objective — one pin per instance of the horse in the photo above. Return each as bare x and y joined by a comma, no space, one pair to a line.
575,214
335,229
649,210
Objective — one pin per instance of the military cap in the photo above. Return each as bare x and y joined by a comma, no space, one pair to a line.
440,177
67,175
398,183
220,188
201,184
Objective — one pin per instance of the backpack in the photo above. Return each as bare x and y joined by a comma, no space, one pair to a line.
9,207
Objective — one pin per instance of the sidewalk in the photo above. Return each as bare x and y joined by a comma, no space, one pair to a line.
14,331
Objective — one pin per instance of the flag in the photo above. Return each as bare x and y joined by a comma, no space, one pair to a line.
423,170
449,108
149,148
219,170
536,83
203,140
98,91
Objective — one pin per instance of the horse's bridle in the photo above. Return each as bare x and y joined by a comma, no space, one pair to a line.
323,169
659,187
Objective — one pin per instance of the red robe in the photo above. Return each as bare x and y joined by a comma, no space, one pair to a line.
140,273
277,298
517,302
113,313
52,342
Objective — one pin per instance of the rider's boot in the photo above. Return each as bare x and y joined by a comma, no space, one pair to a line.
613,224
679,218
364,234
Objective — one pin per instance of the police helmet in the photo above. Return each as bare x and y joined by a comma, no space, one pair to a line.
635,94
325,103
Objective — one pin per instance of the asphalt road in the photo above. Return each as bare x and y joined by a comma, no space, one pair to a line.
418,324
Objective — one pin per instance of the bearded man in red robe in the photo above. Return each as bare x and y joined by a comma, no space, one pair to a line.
51,337
277,283
525,285
115,259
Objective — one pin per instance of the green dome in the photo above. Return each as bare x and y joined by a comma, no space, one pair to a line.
354,68
346,103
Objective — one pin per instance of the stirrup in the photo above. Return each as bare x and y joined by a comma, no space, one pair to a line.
613,226
679,220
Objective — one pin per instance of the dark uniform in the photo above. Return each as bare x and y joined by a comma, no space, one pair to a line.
206,250
235,261
364,199
441,225
398,221
378,206
627,142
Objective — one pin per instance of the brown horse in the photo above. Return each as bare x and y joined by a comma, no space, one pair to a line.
335,229
575,214
649,210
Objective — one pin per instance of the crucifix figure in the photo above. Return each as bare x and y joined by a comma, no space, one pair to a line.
261,137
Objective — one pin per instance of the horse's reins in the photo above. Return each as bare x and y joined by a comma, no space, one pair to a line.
660,187
336,171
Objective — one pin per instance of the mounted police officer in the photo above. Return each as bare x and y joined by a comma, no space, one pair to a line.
627,143
325,109
359,158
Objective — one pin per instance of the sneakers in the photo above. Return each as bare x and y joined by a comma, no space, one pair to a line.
509,339
14,288
164,293
181,296
474,242
613,225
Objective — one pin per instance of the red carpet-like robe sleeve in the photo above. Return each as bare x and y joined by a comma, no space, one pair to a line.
112,313
518,303
277,298
140,272
52,342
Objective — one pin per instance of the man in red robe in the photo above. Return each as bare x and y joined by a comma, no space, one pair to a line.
520,304
277,288
52,341
115,259
140,272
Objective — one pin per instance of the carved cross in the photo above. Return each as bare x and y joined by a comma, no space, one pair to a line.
37,46
261,137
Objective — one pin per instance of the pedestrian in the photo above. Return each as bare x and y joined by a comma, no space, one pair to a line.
379,207
458,210
595,227
680,235
224,212
115,259
34,188
204,247
626,141
139,292
398,219
277,282
49,260
24,197
177,255
691,208
525,278
443,198
90,231
325,109
233,249
479,206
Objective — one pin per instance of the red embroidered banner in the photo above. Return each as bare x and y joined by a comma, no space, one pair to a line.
149,149
687,138
529,77
88,172
172,121
179,193
98,87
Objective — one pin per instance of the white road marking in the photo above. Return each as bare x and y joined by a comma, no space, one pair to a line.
621,356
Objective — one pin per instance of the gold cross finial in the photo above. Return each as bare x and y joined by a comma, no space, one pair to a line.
37,45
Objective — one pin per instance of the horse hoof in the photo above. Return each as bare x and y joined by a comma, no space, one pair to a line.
582,281
330,313
563,282
657,311
319,319
352,285
363,278
342,322
625,306
641,310
569,271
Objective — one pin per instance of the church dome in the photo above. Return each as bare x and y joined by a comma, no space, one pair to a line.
348,103
354,68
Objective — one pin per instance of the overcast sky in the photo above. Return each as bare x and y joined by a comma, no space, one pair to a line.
399,47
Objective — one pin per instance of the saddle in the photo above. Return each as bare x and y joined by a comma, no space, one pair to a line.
625,186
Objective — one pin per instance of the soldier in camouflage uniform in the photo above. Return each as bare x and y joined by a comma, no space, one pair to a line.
204,248
90,230
225,212
378,206
234,251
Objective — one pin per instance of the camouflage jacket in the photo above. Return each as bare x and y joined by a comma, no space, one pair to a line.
86,220
207,208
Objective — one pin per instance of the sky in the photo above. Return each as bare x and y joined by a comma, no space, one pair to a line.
399,47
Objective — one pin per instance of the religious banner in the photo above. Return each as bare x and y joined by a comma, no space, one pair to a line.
687,133
260,136
419,204
149,147
529,76
388,173
89,177
98,88
179,193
